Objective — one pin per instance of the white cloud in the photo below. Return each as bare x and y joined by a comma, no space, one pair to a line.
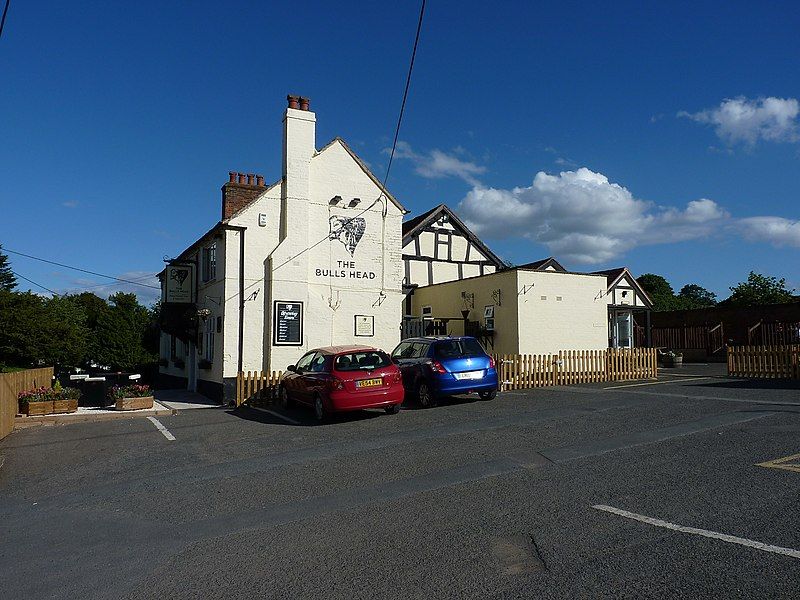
748,121
774,230
438,164
581,216
70,204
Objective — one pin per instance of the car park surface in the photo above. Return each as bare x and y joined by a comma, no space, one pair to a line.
468,499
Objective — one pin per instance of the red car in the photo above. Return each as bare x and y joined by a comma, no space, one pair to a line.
341,378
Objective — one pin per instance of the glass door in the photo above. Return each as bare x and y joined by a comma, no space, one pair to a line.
624,329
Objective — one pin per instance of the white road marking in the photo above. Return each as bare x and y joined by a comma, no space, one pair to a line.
732,539
276,414
617,387
161,428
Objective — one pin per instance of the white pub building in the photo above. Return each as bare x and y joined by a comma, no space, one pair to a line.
314,259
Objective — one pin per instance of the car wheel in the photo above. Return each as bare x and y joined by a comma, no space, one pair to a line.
319,410
424,395
490,395
393,409
283,393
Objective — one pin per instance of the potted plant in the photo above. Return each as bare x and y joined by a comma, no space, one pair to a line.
131,397
38,401
65,400
672,359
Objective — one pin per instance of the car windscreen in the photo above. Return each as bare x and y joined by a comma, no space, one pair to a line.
358,361
457,348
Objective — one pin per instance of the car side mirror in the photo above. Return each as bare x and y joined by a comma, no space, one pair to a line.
292,368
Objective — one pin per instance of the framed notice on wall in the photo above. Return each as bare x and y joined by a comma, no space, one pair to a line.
287,323
365,326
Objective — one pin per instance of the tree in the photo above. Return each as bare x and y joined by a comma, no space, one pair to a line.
8,281
695,296
121,333
659,290
94,306
36,331
760,289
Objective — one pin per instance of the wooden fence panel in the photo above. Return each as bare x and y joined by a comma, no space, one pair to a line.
11,384
764,362
261,384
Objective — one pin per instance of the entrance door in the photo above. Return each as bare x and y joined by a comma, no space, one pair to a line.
624,329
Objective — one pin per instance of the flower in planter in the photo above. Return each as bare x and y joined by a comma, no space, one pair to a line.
118,392
41,394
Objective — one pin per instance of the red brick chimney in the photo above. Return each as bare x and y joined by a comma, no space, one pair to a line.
239,191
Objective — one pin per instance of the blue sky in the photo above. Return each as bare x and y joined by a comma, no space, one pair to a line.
661,137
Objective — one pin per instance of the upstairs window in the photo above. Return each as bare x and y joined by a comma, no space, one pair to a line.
209,260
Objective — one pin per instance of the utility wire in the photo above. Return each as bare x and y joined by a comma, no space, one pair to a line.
3,20
36,284
394,145
405,95
51,262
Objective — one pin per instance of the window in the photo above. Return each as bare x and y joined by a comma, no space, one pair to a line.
427,312
209,341
358,361
458,348
404,350
319,364
209,259
304,363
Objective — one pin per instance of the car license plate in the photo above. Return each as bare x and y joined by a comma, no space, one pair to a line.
470,375
364,383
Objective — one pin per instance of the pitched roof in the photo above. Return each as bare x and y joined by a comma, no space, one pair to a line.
418,223
543,265
364,168
614,275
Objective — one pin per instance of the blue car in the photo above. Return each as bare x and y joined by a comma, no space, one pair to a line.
442,366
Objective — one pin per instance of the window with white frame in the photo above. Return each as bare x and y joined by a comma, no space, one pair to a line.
209,260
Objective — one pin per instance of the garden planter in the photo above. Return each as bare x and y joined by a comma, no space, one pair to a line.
135,403
673,361
65,406
37,408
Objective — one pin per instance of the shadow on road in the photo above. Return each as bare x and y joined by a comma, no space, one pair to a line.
753,384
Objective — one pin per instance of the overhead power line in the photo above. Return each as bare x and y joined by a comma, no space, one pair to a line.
3,20
39,285
52,262
394,143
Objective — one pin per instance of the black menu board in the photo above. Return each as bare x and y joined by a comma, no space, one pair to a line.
287,323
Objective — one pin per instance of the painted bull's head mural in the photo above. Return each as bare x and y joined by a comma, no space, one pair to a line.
349,231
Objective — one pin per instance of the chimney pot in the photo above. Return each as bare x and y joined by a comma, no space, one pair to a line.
293,101
304,103
260,180
251,179
241,178
232,176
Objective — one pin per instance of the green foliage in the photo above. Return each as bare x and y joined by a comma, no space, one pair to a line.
760,289
695,296
76,330
8,280
121,332
118,392
660,292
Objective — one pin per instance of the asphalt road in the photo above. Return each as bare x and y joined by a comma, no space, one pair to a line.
468,499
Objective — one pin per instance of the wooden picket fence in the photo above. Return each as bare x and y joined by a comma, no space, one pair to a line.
257,384
11,384
764,362
522,371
